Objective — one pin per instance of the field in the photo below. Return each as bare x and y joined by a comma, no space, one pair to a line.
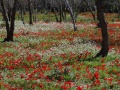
51,56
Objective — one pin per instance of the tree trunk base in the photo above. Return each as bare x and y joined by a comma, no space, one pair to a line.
102,53
98,25
7,40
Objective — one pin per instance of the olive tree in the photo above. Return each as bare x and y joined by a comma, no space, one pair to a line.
9,17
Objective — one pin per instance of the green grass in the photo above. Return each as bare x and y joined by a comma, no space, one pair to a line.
49,61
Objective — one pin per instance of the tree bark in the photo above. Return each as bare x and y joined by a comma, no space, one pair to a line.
55,12
30,12
9,26
118,9
5,18
71,14
100,16
60,10
12,21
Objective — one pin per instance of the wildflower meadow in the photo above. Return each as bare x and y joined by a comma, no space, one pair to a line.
51,56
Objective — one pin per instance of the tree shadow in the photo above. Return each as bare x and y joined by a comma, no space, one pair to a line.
4,41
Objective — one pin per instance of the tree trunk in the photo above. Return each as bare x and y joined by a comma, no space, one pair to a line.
71,14
11,32
90,10
6,19
22,14
65,13
9,11
60,6
60,10
55,12
100,16
118,9
35,11
30,12
9,26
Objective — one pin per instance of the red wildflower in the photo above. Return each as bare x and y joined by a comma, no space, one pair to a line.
64,87
1,62
102,60
16,62
50,58
97,82
67,85
118,65
63,55
59,65
34,85
37,70
89,73
109,80
70,84
41,86
21,75
45,67
30,57
38,56
96,75
20,89
0,77
103,66
79,88
118,81
30,76
97,67
41,75
72,55
10,67
103,88
117,61
77,76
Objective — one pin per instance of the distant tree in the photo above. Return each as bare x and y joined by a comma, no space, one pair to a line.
90,9
71,13
55,11
35,10
21,10
118,3
103,25
30,12
9,17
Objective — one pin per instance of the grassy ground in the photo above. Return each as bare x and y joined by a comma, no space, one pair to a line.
51,17
51,56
